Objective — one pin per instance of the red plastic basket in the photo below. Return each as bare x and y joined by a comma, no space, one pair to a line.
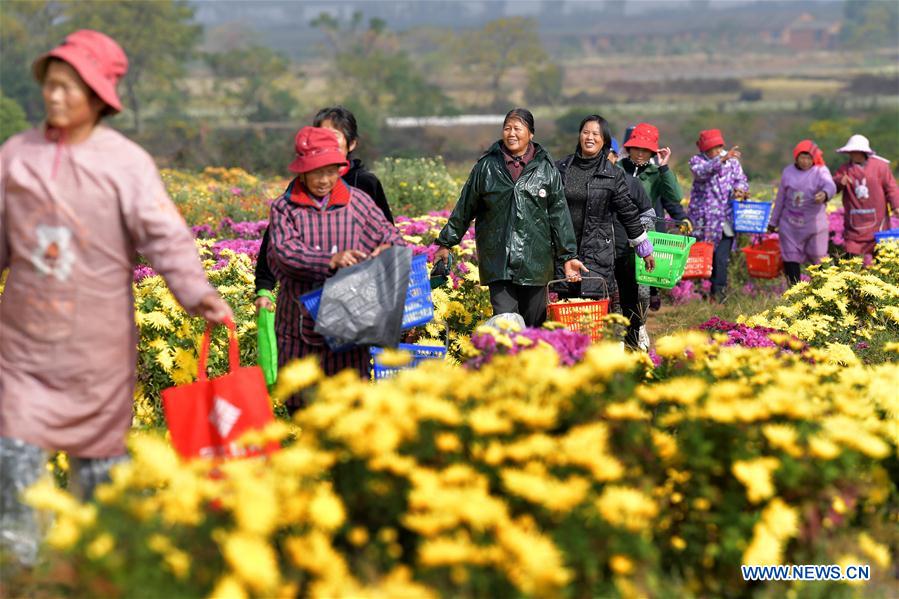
583,316
764,260
699,261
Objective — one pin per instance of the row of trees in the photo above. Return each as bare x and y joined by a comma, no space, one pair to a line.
368,67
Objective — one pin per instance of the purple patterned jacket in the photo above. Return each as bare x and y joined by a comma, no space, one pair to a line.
714,183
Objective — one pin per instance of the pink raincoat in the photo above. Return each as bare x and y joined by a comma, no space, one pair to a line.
871,187
72,220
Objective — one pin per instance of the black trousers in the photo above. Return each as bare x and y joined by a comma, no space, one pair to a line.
793,271
720,260
626,277
527,300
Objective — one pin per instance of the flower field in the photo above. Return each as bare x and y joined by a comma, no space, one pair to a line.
531,463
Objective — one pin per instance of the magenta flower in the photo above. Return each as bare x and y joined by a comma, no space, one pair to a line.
142,272
569,345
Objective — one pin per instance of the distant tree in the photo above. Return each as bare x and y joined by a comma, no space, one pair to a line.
869,23
159,37
500,45
26,30
250,74
370,67
545,84
12,118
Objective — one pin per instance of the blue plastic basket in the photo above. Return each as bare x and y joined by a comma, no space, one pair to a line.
885,236
751,217
419,307
419,354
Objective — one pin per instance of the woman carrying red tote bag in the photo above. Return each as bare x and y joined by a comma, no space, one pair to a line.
207,417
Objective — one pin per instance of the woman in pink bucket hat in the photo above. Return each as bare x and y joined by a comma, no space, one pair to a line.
79,202
867,184
318,226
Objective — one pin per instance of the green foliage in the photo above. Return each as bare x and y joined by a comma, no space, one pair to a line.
545,85
870,23
415,186
831,133
369,67
249,77
498,46
12,118
26,30
158,36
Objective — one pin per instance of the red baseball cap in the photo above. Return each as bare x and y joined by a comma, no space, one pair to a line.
96,57
709,139
316,147
644,136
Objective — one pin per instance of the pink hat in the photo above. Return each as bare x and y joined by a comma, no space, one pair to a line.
644,136
857,143
97,58
316,147
709,139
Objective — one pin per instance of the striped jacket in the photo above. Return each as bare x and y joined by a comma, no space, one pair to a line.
304,236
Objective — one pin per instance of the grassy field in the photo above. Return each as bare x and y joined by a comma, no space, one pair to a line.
672,318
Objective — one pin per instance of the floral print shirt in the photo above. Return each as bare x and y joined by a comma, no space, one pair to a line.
714,183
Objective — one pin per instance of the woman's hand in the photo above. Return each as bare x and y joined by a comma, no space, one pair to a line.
740,194
442,254
379,249
263,303
214,309
664,156
346,258
821,197
650,263
573,270
734,152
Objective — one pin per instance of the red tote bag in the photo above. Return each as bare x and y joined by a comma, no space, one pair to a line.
207,417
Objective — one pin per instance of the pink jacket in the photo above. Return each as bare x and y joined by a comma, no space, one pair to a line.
72,221
864,216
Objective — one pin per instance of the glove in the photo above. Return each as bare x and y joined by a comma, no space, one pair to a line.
644,248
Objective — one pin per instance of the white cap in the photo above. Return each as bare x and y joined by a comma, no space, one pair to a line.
857,143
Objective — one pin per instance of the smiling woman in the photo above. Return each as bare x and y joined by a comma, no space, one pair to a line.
597,192
515,181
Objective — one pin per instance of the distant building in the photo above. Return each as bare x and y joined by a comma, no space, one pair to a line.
811,33
777,25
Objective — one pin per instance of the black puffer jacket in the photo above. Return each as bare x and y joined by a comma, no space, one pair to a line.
607,195
644,206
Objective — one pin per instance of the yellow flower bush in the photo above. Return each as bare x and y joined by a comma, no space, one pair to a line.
844,307
446,482
522,478
206,198
170,339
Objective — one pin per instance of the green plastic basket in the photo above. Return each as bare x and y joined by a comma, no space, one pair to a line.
670,253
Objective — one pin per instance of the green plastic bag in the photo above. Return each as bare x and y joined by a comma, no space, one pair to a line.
267,344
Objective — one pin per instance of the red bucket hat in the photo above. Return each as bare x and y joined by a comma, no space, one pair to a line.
644,136
97,58
316,147
809,147
708,139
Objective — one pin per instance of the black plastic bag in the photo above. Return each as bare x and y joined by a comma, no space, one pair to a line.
363,304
